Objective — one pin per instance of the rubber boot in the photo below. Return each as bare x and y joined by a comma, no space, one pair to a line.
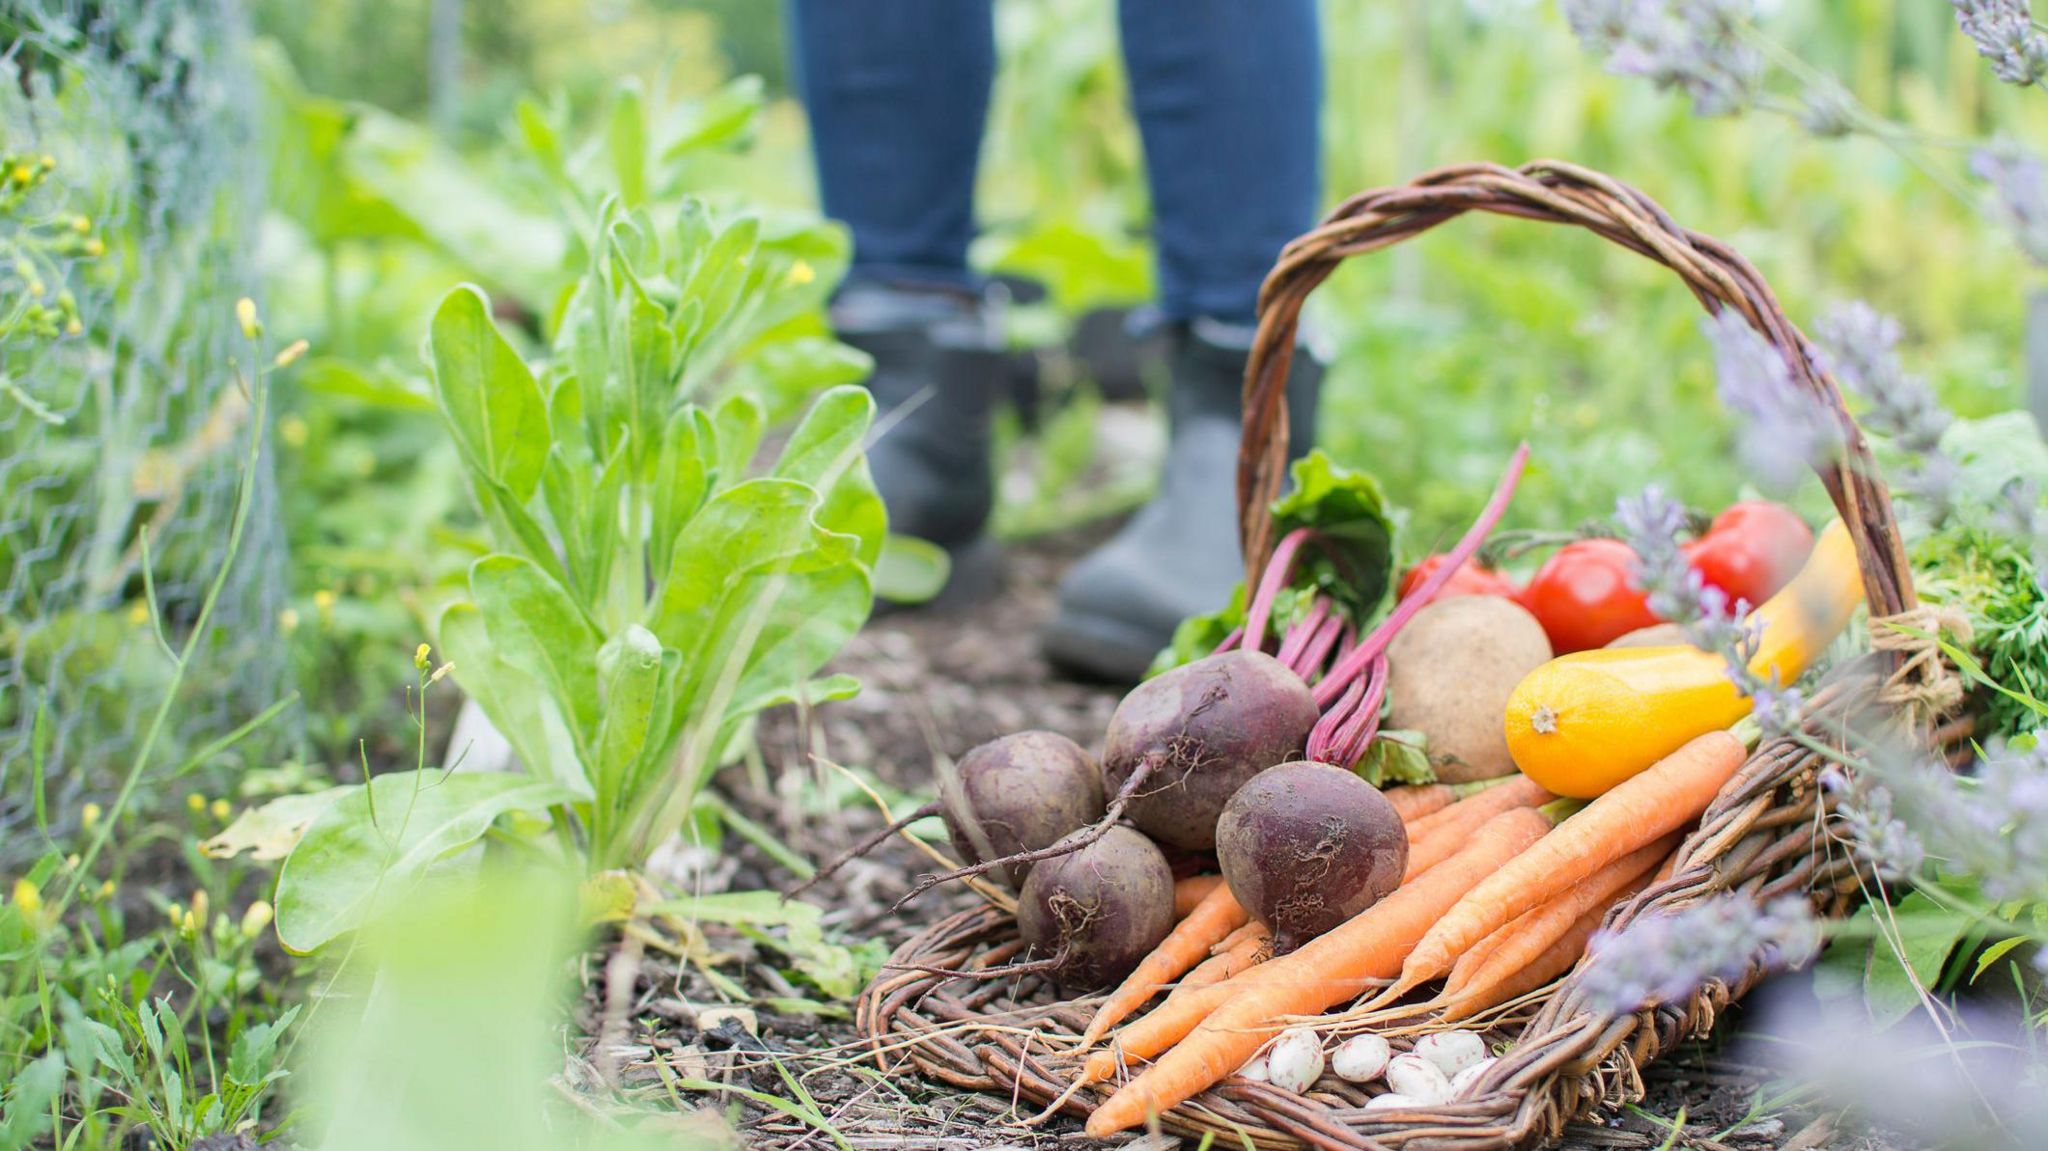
1179,555
938,366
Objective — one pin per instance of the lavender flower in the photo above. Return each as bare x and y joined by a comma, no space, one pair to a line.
1787,430
1884,841
1905,808
1826,110
2019,180
1696,46
1860,347
1650,524
1663,956
2004,33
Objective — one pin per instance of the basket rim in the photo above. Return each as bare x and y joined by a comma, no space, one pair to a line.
1551,191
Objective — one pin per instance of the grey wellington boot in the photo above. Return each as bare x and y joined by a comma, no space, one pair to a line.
1179,554
937,370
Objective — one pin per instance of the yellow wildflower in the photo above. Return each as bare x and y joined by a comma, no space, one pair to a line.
195,802
801,272
256,919
89,815
420,654
138,613
221,809
245,315
28,897
288,620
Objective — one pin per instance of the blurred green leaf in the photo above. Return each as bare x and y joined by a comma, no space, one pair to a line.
380,839
487,394
911,570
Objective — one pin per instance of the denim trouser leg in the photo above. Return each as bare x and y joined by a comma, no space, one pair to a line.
1228,96
897,92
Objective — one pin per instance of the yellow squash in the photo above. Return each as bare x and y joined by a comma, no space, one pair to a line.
1584,722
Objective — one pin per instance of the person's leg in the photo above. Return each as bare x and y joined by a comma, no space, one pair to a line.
1227,95
897,93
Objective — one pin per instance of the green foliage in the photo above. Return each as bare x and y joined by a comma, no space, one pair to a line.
1351,560
647,593
447,1037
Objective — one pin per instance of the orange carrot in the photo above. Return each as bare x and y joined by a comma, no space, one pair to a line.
1187,945
1435,838
1190,892
1413,801
1513,946
1250,929
1224,964
1554,961
1164,1026
1327,970
1636,811
1473,810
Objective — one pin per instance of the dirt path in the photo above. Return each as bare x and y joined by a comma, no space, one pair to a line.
937,684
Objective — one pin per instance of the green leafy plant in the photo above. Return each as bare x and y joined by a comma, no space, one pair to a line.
646,593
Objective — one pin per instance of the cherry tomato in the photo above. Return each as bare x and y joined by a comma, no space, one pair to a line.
1583,597
1469,579
1751,550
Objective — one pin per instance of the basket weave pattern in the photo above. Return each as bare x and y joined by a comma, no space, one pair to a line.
1764,836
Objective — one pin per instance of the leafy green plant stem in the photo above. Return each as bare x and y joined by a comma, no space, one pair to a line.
259,394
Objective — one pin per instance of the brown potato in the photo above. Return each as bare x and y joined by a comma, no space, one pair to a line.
1450,673
1656,635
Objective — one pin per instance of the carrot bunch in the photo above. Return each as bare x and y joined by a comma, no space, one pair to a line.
1500,898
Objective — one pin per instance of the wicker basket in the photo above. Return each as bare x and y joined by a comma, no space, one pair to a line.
1764,836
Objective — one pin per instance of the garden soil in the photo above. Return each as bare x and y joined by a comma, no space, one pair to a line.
935,683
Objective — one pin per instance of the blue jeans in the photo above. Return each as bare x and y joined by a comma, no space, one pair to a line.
1227,95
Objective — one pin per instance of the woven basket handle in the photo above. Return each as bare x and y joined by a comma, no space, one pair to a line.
1558,193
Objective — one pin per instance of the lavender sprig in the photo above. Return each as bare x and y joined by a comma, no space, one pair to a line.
2019,181
1651,524
1904,809
1662,957
1786,430
2004,33
1859,347
1696,46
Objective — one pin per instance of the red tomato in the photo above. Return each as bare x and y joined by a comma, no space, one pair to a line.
1751,550
1469,579
1583,597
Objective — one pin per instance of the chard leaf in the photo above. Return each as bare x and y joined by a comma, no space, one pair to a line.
1354,563
825,453
382,838
537,628
1396,757
488,396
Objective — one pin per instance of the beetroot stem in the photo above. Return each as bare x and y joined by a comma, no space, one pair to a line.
1298,636
1279,570
1369,650
1321,736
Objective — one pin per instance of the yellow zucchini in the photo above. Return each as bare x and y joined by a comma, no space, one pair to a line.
1584,722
